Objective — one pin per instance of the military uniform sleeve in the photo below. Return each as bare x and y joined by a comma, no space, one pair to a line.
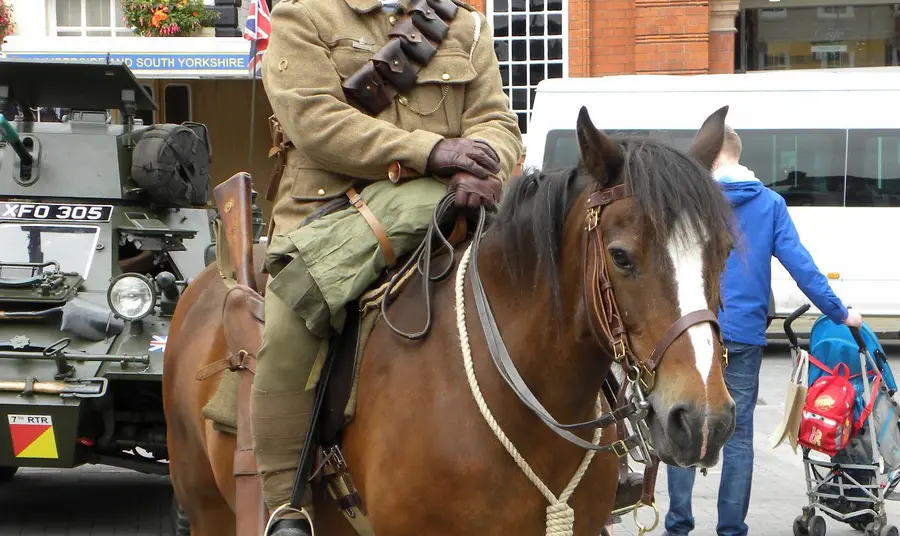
487,115
305,92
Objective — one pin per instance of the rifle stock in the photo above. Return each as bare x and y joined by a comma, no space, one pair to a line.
233,199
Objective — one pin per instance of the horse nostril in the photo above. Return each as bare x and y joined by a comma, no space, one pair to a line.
678,425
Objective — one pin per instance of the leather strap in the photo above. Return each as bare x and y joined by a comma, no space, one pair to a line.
649,488
233,362
680,326
357,201
280,144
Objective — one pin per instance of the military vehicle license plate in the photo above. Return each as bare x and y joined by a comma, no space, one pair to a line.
54,212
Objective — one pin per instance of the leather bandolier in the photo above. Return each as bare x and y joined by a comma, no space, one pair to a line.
394,69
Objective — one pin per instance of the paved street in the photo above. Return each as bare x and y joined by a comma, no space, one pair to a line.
88,501
103,501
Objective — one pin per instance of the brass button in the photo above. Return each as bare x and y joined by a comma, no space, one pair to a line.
396,62
392,19
321,191
445,76
282,65
403,100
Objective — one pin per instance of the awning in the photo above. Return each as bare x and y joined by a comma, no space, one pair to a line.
147,57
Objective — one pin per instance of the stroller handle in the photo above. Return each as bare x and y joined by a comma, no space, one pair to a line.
790,320
857,336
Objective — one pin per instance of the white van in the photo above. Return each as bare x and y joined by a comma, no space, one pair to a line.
828,141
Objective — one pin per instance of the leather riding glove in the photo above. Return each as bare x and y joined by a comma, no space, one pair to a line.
453,155
472,192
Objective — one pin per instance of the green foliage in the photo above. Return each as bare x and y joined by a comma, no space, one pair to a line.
166,18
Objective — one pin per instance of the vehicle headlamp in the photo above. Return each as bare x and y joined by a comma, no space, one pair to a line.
131,296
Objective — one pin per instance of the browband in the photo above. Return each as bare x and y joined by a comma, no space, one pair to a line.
415,38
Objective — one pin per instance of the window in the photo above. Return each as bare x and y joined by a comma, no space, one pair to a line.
805,166
873,168
148,116
89,18
531,42
72,246
178,103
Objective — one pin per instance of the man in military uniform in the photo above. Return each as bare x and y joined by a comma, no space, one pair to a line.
370,93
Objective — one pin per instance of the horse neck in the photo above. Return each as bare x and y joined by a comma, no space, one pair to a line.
555,354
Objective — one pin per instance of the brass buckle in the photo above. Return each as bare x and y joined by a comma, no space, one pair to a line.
648,378
620,444
618,350
593,218
725,354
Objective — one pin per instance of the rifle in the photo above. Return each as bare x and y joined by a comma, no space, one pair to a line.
233,199
243,316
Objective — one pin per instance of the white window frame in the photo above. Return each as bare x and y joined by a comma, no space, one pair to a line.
564,12
113,31
190,103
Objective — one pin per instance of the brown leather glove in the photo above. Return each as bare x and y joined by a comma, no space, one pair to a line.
453,155
472,192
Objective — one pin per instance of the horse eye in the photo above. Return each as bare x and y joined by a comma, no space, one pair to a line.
621,258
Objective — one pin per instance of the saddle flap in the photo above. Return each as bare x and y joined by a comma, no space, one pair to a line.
243,318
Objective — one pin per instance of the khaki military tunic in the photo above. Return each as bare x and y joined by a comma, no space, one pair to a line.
317,44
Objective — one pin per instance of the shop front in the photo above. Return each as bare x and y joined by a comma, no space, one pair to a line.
809,34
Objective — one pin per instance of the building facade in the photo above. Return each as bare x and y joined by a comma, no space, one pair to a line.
534,40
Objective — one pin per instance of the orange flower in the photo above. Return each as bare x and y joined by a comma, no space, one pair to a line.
158,17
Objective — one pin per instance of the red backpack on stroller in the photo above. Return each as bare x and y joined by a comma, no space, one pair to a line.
827,423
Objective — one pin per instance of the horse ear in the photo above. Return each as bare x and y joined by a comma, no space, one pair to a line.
708,141
600,156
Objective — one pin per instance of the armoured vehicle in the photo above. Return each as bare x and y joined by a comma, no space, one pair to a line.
103,221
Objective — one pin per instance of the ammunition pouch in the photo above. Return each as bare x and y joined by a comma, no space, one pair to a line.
415,38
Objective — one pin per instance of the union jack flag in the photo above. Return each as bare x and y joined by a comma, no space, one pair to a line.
257,30
158,343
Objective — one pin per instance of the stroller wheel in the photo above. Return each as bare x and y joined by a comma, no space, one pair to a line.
889,530
800,527
816,526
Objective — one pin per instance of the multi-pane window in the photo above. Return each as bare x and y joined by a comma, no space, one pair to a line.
89,18
808,167
530,40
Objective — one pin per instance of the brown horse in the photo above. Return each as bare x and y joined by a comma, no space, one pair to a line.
617,258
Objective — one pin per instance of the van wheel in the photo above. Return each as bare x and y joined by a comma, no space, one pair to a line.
180,524
7,474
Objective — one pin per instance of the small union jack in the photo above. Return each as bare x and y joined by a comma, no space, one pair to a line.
257,30
158,343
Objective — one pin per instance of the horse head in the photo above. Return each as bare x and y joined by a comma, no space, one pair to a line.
658,235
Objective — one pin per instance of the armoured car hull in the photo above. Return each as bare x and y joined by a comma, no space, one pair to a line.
95,249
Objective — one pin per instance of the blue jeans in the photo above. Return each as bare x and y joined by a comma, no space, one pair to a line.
742,379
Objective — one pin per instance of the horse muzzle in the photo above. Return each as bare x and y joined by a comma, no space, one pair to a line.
690,435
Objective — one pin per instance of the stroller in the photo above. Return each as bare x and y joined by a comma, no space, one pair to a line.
851,484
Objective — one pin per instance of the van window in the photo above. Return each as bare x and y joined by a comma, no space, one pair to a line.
873,169
805,166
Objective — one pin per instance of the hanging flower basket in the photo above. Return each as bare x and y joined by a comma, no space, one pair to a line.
166,18
7,26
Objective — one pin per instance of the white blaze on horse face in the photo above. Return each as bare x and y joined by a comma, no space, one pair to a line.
686,251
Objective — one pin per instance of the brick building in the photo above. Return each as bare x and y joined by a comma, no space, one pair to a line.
537,39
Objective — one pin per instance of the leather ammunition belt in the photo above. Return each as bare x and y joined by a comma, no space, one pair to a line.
394,69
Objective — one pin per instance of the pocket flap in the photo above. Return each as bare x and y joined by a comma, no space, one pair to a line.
448,67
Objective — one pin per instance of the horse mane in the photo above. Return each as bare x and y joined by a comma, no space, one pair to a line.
668,189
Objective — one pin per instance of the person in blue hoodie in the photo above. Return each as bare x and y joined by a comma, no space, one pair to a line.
765,230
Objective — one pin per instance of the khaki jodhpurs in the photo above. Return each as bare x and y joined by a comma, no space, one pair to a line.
305,297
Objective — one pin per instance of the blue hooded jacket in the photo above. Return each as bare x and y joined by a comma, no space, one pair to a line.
766,230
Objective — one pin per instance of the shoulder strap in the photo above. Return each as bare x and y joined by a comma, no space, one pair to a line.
415,38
